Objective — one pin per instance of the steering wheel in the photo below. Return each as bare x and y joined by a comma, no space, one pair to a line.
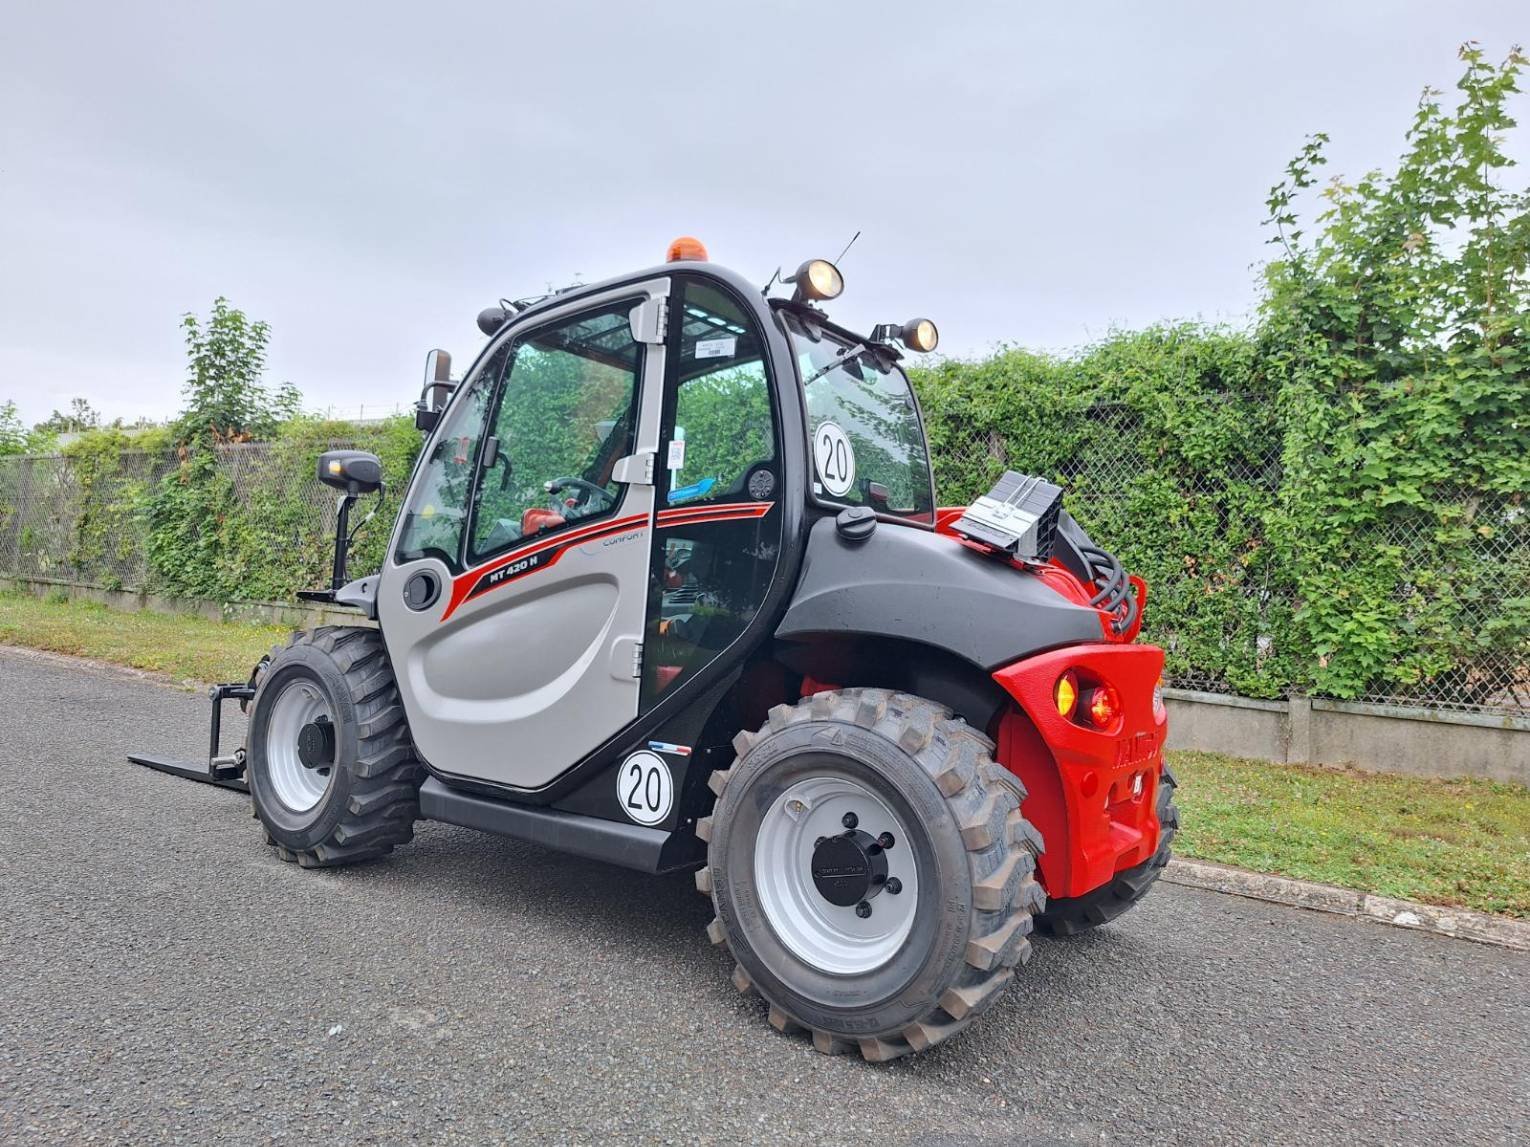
592,498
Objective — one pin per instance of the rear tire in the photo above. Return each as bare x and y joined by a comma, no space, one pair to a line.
1069,916
922,962
362,797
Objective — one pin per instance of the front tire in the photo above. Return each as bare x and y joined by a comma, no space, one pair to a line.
331,768
804,888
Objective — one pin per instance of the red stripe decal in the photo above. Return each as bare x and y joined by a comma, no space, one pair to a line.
735,511
528,559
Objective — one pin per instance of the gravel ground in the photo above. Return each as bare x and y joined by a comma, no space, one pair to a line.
164,978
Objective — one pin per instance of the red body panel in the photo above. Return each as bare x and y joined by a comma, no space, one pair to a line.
1092,793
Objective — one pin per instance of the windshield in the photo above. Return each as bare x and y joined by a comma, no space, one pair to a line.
868,446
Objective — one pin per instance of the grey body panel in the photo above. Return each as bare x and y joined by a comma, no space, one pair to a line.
359,594
514,686
917,585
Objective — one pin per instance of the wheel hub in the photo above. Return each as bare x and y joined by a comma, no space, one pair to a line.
849,868
316,743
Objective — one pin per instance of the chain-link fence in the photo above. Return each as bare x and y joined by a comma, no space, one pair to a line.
47,529
1221,603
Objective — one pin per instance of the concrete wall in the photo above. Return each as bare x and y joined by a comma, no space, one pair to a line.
1378,738
265,612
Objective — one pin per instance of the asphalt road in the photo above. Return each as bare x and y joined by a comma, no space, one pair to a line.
164,978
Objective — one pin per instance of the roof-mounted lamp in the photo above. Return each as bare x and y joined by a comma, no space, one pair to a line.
816,281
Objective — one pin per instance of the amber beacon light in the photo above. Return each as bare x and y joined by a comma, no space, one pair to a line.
686,249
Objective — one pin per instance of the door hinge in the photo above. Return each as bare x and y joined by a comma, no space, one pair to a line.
635,469
650,320
637,660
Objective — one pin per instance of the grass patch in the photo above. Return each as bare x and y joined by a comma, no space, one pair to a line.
1462,843
189,649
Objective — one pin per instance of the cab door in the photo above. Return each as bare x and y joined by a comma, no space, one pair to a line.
513,604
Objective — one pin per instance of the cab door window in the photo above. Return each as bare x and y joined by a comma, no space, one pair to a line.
719,528
565,417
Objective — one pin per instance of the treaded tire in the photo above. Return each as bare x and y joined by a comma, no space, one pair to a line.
373,796
1068,916
976,869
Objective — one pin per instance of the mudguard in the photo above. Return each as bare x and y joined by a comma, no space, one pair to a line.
917,585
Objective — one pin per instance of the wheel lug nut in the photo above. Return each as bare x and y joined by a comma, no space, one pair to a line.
863,910
886,840
850,820
894,886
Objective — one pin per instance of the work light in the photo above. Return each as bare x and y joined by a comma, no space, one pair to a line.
919,335
818,279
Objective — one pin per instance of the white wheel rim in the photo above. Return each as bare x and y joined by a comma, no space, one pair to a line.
297,786
823,935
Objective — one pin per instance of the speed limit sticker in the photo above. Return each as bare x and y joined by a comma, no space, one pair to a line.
645,787
835,458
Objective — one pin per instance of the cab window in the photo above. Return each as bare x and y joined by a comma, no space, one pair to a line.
565,417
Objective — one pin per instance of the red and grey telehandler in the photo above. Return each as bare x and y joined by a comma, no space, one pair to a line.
669,588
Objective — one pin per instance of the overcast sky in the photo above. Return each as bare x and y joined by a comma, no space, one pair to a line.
366,177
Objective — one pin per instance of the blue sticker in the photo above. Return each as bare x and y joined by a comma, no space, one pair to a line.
695,490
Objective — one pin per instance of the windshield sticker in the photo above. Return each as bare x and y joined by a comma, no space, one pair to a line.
676,454
835,458
717,348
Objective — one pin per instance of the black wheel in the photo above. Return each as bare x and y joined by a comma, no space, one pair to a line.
331,768
1068,916
871,872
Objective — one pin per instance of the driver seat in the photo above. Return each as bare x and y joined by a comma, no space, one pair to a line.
535,519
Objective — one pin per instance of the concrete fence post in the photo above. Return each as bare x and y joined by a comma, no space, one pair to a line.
1298,729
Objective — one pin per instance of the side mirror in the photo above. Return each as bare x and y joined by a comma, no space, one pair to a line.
438,377
354,471
438,385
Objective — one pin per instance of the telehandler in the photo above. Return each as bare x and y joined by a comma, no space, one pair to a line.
669,588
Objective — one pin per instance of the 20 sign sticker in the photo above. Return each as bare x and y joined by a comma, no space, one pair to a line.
645,787
835,458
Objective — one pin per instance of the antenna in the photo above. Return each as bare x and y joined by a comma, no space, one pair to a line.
848,245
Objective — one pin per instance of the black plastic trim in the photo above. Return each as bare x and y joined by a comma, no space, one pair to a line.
615,842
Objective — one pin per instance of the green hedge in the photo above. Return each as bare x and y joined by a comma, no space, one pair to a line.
1166,443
